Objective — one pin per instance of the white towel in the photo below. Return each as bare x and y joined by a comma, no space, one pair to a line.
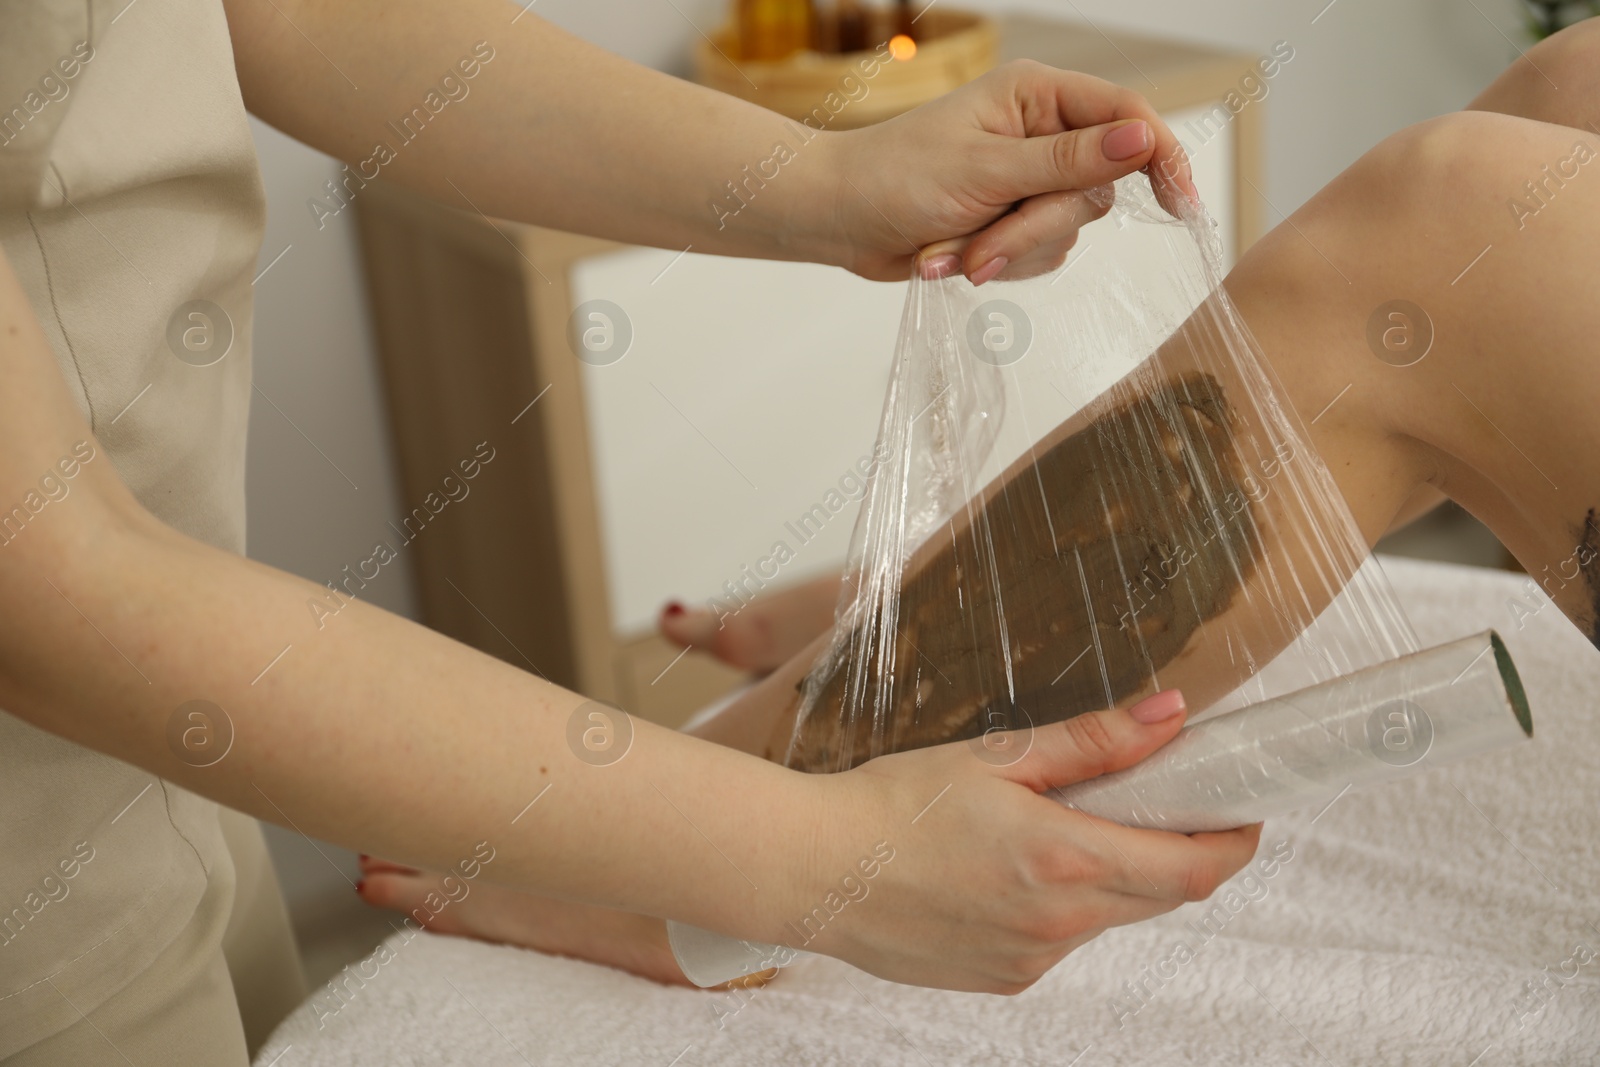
1449,919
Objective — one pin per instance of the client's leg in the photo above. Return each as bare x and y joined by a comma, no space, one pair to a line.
1557,82
1445,216
759,636
1491,226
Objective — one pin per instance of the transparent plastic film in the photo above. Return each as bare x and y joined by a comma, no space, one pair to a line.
1300,751
1091,489
1304,750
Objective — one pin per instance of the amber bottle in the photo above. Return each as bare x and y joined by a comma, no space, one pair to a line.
773,29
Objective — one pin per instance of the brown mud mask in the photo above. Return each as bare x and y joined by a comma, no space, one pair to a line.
1091,567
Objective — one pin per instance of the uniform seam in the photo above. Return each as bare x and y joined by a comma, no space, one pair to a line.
55,309
167,800
144,905
149,898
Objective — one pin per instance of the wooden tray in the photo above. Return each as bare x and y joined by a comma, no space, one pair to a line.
855,89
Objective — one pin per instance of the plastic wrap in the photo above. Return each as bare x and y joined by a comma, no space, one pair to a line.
1092,489
1303,750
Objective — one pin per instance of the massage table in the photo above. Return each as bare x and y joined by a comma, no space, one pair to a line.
1452,918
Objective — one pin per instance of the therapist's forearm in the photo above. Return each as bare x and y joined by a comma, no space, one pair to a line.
373,731
551,130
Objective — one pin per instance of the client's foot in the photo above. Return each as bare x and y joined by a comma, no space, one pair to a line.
488,912
765,633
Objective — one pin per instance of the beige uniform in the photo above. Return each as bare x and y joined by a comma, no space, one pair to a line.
128,191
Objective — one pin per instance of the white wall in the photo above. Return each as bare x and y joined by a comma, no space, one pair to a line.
321,480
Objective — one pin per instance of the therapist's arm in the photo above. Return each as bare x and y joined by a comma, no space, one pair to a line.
551,130
376,733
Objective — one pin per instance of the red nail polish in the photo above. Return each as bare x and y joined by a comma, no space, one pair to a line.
359,883
673,610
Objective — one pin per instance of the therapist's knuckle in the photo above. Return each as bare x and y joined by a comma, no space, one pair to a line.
1022,70
1089,735
1037,864
1132,102
1095,207
1058,926
1060,866
1074,155
1201,878
1056,253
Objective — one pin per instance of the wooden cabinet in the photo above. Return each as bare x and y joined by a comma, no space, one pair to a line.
747,393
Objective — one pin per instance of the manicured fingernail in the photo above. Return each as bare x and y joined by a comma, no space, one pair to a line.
989,270
940,266
673,610
359,883
1164,705
1125,142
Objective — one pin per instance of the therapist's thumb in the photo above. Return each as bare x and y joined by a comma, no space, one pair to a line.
1098,742
1079,159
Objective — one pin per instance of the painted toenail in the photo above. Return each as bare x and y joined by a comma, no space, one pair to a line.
673,610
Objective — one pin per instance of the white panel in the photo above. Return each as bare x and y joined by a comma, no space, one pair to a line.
750,390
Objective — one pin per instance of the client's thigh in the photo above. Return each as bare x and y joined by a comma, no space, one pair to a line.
1439,296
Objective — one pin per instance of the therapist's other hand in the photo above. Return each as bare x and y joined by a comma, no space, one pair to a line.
990,884
990,180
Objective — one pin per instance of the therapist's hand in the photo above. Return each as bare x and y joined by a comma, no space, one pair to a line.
989,180
991,884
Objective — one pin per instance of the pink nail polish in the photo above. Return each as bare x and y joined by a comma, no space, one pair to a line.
1125,142
989,270
940,266
1160,707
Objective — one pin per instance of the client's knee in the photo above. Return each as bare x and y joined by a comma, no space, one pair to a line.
1448,175
1557,80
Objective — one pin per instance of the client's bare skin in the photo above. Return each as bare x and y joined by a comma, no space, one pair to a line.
1489,221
